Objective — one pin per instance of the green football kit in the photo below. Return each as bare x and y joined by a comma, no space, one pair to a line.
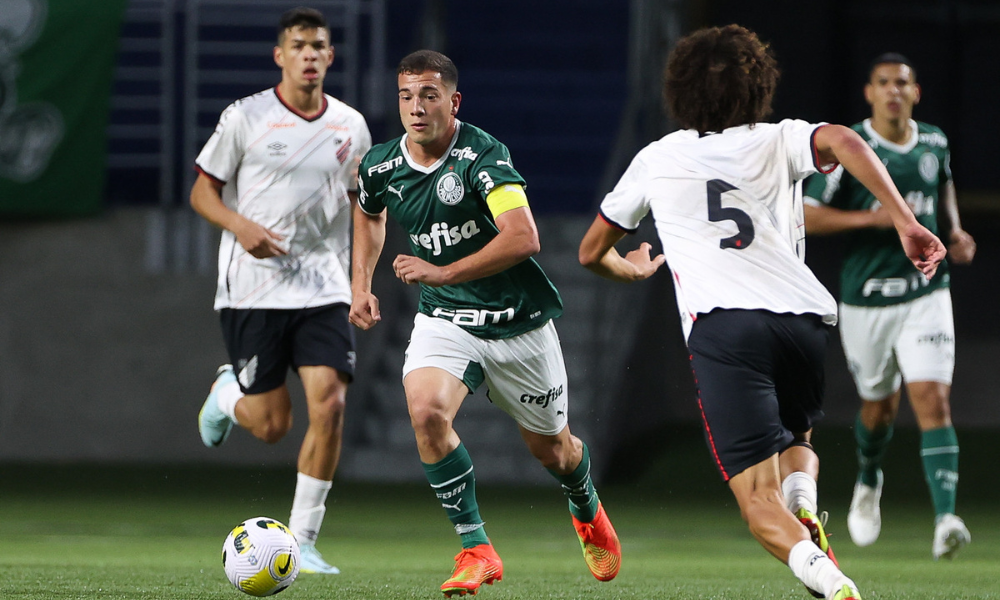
875,270
443,209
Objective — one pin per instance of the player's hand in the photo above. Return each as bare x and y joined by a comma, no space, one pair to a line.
923,248
411,269
257,240
364,310
644,265
962,247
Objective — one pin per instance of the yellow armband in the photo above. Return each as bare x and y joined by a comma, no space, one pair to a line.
506,197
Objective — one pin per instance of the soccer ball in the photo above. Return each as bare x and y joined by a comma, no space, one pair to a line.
261,556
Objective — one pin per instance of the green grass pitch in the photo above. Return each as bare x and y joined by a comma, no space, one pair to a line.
130,533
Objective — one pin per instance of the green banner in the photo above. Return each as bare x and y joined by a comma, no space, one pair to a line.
57,60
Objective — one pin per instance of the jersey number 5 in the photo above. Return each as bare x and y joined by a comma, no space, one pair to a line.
716,212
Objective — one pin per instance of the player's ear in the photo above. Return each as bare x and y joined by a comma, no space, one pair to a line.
329,60
279,57
869,92
916,97
456,100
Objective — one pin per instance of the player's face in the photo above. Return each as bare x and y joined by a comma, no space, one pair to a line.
427,107
304,56
892,92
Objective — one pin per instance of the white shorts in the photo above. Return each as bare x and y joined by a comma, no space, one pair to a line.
912,341
526,375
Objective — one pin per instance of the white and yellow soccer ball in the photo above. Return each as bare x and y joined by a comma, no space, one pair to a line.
261,556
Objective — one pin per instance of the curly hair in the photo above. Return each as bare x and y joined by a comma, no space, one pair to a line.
720,77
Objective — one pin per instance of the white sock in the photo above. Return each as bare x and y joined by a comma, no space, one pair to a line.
815,569
308,508
799,490
226,396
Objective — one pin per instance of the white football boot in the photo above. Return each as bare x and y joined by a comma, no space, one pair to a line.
950,535
864,520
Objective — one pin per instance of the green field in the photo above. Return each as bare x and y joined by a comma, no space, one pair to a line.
156,533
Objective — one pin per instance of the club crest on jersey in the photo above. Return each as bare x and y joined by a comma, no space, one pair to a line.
450,189
928,167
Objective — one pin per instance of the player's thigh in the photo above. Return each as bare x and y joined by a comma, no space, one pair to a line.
442,364
257,341
732,355
526,376
869,336
926,346
322,336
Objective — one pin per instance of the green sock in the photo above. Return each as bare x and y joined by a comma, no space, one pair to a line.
939,453
871,449
579,489
454,483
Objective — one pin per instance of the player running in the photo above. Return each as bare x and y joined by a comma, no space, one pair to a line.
485,312
725,195
277,177
896,325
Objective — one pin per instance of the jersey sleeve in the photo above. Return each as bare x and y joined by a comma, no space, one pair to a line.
803,160
223,152
626,205
371,199
359,145
494,167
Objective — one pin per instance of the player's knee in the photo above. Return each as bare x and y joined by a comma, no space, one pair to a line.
429,419
330,410
274,428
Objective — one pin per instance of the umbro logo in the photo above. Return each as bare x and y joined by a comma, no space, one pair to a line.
277,148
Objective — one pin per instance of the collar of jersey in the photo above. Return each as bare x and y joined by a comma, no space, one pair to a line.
422,169
297,112
902,149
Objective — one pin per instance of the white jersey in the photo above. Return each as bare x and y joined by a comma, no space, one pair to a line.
728,210
290,174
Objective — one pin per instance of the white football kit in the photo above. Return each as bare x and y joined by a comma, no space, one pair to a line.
290,174
728,210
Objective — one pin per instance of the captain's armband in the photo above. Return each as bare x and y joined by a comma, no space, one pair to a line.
506,197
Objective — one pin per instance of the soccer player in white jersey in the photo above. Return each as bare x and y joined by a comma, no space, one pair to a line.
895,325
485,313
279,177
725,193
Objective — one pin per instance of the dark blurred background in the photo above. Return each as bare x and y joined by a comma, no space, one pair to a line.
108,342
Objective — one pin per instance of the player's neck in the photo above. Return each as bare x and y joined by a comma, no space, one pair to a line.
897,131
305,101
426,155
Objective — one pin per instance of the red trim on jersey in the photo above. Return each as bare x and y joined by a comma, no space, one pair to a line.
299,113
607,220
812,142
708,429
198,168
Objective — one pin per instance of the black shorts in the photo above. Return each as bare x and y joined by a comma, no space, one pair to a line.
760,379
264,343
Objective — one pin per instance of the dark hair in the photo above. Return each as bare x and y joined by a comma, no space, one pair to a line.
307,18
891,58
429,60
720,77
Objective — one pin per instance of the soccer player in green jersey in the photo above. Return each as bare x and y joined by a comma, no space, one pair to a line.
485,311
896,325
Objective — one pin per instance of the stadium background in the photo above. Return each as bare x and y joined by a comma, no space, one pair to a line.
107,338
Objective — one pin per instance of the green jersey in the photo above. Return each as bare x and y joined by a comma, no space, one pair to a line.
443,208
875,270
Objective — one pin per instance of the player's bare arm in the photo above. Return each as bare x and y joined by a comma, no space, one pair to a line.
257,240
598,253
826,220
516,242
839,144
369,239
961,246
